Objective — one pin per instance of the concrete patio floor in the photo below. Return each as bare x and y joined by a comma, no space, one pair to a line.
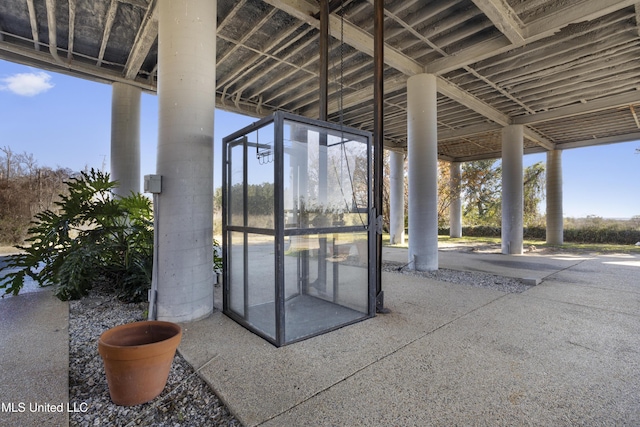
34,360
565,352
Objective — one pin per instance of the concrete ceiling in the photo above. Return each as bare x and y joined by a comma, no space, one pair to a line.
569,70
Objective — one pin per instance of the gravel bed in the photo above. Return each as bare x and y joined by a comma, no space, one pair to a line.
469,278
186,400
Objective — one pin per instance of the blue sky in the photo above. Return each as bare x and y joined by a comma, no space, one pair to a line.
65,121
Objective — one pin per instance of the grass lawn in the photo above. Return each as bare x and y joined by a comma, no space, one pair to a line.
539,244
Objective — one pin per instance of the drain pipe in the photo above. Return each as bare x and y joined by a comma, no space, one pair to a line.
153,292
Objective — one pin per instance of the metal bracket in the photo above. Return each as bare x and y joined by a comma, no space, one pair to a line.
379,224
380,308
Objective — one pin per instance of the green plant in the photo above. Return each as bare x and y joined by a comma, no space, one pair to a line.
217,257
95,236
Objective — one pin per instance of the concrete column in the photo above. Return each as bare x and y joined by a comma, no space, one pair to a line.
422,143
455,209
512,189
396,198
555,226
125,138
186,100
299,169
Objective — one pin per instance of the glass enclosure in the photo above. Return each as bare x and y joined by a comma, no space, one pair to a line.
296,235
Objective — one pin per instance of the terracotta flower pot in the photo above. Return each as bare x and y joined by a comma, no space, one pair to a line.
137,358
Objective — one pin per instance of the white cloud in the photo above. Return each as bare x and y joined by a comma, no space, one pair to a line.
27,84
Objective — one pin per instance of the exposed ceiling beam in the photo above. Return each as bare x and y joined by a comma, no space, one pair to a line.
34,24
452,91
147,34
138,3
293,66
567,53
355,98
239,5
630,137
411,30
301,9
53,30
584,11
497,88
256,72
247,36
520,76
72,26
436,48
495,155
111,16
635,116
504,18
620,63
10,52
441,157
613,101
468,131
353,35
363,41
257,60
478,52
539,139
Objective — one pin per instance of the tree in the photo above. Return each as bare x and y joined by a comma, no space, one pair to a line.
7,165
481,192
25,190
534,180
445,192
386,192
482,186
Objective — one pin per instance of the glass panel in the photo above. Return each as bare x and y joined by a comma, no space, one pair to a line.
325,178
296,264
260,178
325,282
296,176
236,273
236,184
262,283
325,292
350,254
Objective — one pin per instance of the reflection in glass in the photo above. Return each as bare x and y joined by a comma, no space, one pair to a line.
298,241
319,300
327,180
261,277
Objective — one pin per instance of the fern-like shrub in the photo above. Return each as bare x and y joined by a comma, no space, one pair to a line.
96,236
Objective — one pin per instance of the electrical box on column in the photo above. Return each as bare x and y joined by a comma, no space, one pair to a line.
153,184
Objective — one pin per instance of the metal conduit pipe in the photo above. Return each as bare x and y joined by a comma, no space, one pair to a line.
378,142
